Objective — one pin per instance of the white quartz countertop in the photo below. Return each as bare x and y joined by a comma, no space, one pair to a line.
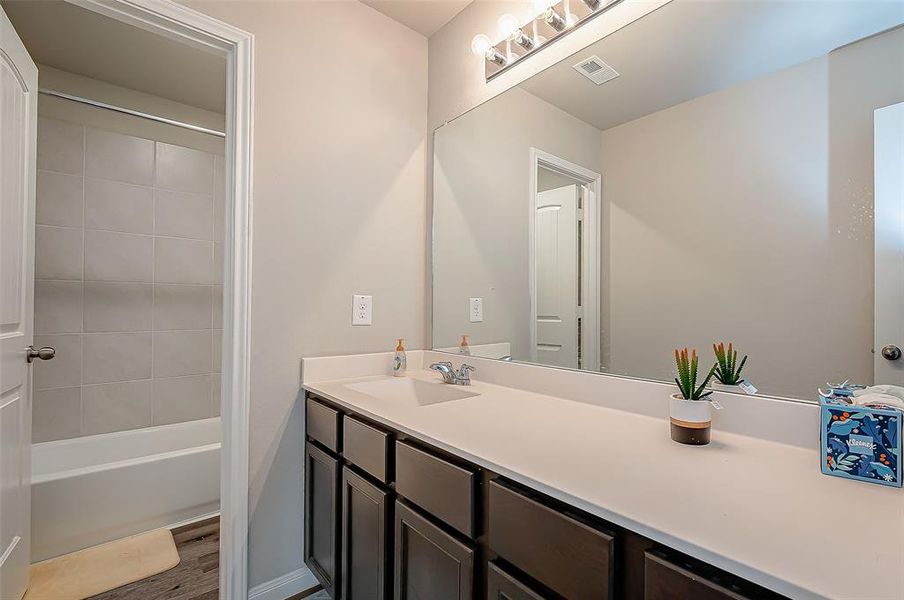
756,508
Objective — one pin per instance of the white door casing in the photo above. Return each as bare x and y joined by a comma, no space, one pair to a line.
556,242
590,252
889,241
18,141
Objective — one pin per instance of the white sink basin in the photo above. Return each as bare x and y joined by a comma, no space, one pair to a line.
412,391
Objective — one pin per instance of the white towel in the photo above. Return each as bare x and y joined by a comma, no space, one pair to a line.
872,396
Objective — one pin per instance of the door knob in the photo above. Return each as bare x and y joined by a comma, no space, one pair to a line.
891,352
45,353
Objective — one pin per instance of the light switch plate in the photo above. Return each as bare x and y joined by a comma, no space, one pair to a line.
475,312
362,310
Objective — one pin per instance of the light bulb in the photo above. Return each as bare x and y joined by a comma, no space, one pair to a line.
540,6
508,24
481,44
571,19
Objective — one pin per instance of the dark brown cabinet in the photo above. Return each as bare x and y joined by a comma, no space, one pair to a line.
321,516
502,586
366,562
429,563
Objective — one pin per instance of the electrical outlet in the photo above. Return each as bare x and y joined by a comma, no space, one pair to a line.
362,310
475,311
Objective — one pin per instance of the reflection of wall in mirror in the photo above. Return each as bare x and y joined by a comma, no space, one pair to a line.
481,212
746,215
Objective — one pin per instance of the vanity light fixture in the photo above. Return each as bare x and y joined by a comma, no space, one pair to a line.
551,19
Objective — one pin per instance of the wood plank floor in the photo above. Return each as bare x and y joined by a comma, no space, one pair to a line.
195,578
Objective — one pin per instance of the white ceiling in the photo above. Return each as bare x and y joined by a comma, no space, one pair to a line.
424,16
69,38
689,48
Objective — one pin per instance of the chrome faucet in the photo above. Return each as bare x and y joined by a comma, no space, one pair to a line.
445,368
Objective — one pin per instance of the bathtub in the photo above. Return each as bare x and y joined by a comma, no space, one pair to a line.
94,489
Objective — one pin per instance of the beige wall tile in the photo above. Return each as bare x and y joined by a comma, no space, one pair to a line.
180,214
56,414
215,399
182,399
118,306
119,157
116,406
111,256
59,199
216,342
183,261
182,306
110,357
58,306
65,370
184,170
58,253
217,273
116,206
60,146
217,307
178,353
219,200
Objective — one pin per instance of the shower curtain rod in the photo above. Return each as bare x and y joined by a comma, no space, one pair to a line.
129,111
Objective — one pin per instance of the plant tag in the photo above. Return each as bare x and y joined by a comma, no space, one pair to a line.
747,387
716,404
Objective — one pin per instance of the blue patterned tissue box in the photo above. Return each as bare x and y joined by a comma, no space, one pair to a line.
859,442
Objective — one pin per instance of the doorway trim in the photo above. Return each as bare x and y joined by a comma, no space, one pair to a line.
590,277
177,22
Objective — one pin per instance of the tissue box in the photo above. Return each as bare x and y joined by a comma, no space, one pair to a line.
860,443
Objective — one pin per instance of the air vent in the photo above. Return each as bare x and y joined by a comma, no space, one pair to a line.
594,69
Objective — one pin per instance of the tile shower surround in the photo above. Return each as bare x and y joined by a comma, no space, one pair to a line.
128,282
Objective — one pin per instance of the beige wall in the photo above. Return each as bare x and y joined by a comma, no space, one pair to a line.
481,207
340,103
748,212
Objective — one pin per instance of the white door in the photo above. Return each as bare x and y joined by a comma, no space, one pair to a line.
889,224
18,138
556,249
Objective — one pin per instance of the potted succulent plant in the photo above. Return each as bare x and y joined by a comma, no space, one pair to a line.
690,413
727,376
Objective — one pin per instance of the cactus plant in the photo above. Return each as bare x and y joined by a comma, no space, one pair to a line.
687,375
728,371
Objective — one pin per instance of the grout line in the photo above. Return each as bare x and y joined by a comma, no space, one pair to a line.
81,344
129,233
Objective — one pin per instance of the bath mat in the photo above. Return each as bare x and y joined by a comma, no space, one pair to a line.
101,568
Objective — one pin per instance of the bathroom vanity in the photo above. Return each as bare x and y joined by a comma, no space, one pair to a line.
418,489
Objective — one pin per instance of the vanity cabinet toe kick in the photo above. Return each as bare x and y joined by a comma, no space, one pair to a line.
389,516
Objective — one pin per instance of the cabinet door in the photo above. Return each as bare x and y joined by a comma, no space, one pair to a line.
429,563
321,523
502,586
365,545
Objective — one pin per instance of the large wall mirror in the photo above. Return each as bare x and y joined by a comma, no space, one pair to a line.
715,171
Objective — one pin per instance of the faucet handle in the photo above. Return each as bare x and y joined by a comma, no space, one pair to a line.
466,367
464,373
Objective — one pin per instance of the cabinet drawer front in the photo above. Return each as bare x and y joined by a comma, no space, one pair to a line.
365,539
430,563
445,490
321,516
367,447
664,580
322,424
502,586
570,557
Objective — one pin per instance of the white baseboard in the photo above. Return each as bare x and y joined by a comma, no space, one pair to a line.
285,586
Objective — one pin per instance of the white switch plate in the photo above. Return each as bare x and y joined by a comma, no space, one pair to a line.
476,310
362,310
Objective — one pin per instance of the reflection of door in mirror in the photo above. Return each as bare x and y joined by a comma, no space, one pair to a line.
889,224
564,244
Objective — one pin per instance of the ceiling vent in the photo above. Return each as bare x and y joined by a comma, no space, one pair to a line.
594,69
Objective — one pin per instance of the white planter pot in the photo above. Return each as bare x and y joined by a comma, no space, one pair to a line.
690,420
721,387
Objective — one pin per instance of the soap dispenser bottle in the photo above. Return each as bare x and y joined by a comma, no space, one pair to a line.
464,347
400,360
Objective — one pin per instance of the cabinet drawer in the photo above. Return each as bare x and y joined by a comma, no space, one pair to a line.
367,447
322,424
429,563
564,554
445,490
502,586
665,579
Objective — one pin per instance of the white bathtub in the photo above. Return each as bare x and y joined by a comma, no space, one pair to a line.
94,489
